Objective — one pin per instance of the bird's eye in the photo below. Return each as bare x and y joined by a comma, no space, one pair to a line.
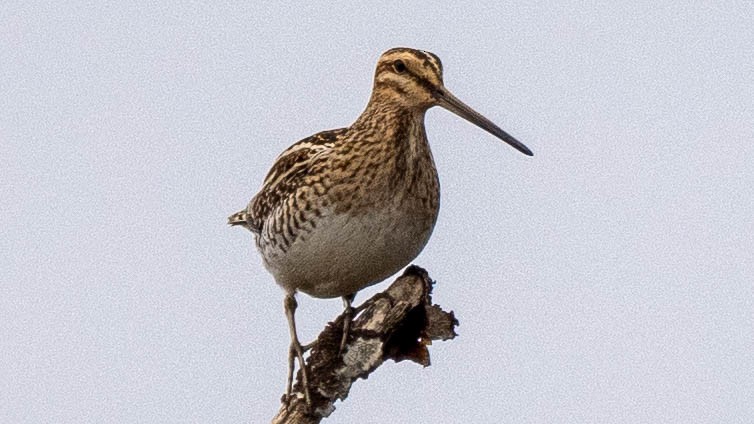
399,66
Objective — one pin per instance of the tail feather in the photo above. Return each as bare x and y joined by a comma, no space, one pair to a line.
239,218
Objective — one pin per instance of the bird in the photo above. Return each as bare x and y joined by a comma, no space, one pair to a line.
346,208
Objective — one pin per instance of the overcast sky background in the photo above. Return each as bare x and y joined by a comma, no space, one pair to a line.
607,279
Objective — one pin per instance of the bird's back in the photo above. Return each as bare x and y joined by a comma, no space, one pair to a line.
285,178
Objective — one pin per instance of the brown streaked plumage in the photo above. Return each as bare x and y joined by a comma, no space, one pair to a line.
344,209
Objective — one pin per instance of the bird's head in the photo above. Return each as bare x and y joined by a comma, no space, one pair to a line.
413,79
409,77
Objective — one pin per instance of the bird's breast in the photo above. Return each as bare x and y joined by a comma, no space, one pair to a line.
374,206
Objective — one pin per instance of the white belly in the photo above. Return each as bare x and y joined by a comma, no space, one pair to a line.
345,253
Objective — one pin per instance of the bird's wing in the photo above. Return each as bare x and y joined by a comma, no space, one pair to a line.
286,175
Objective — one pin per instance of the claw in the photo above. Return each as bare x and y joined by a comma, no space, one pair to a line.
295,351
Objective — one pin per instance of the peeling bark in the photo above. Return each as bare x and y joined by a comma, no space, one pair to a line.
396,324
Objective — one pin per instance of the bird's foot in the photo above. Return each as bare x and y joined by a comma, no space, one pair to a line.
347,319
296,351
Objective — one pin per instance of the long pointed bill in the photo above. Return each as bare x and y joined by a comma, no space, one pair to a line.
450,102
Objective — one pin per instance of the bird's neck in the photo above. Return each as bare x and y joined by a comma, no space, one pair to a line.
391,120
396,134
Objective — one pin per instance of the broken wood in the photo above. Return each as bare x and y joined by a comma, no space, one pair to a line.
398,323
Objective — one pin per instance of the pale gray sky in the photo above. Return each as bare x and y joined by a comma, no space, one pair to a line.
606,279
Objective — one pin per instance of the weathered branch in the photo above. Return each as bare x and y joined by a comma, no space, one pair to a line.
396,324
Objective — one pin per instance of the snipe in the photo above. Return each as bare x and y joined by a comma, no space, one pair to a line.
344,209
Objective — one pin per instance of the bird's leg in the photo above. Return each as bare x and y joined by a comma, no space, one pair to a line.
296,350
347,317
